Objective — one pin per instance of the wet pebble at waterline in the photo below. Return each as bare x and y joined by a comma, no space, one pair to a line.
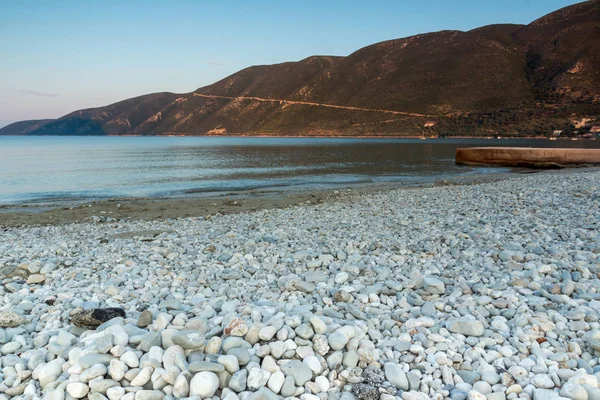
489,291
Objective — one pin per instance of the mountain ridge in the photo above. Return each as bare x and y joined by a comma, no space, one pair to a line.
24,127
503,79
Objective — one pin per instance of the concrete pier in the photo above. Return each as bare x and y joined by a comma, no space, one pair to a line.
527,157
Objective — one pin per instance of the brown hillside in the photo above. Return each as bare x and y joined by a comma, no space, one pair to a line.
24,127
495,80
563,52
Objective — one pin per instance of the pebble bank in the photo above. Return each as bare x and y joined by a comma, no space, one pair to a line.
489,291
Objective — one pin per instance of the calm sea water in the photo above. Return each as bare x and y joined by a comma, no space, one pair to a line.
49,169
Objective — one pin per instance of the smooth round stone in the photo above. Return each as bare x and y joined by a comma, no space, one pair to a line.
78,390
149,395
237,383
156,354
142,377
101,385
277,349
592,391
266,333
482,387
189,340
581,378
257,378
318,325
230,363
93,372
170,374
350,359
204,384
269,364
322,383
337,340
396,376
466,327
15,390
115,393
234,342
414,381
469,377
457,394
10,348
314,364
307,396
303,286
574,391
48,267
544,394
181,387
130,359
242,355
173,356
276,381
144,319
341,277
262,351
152,339
542,381
288,389
200,366
12,360
434,285
252,335
264,394
491,377
428,309
213,346
475,395
592,339
305,331
120,337
305,351
35,279
299,371
50,371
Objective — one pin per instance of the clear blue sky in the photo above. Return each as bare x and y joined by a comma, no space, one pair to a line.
57,56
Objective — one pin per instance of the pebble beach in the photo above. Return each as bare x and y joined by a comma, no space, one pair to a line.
481,292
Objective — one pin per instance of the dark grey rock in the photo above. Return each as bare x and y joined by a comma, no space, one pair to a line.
363,391
145,319
373,376
96,317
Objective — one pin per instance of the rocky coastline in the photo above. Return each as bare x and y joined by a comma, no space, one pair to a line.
487,291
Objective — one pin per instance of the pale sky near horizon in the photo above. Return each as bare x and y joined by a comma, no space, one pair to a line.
57,56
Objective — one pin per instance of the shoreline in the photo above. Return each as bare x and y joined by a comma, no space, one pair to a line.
201,205
227,202
483,291
279,136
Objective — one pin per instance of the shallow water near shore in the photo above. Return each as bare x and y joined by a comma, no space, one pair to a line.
61,169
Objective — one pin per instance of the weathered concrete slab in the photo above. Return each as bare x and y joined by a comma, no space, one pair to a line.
527,157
